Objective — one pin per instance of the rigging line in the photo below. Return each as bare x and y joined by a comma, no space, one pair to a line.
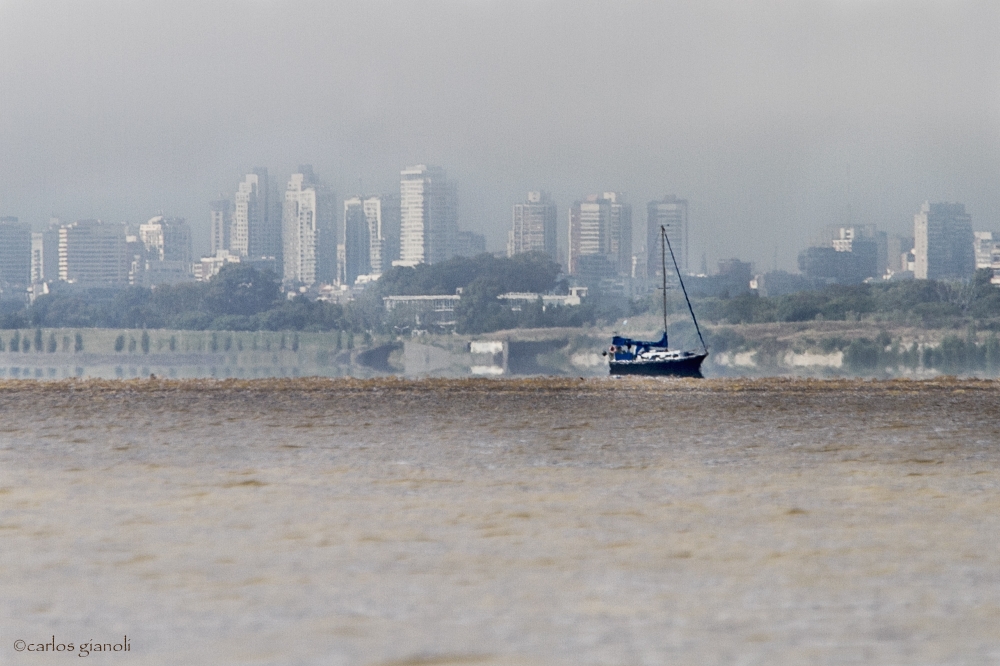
663,231
663,271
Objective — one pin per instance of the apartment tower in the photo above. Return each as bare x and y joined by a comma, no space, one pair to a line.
534,226
428,215
943,243
309,230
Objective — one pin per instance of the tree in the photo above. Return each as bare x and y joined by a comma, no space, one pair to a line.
241,290
120,343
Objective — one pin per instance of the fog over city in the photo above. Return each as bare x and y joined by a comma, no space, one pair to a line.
773,118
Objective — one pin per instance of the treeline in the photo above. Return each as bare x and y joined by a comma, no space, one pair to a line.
242,298
481,279
926,303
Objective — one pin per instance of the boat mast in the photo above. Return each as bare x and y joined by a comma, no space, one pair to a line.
663,272
666,240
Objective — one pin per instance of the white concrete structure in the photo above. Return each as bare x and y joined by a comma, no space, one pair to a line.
589,226
92,252
428,215
308,230
209,267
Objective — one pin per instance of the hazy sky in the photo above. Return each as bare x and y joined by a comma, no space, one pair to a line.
772,118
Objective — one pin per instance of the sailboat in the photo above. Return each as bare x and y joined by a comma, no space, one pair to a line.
639,357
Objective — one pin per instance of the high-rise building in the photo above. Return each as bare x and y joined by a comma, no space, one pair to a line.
357,241
166,250
672,214
589,232
37,258
15,252
254,231
93,253
534,226
382,215
620,231
309,231
601,226
246,214
167,239
428,215
985,247
943,242
221,221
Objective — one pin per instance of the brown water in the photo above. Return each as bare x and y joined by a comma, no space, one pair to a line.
503,522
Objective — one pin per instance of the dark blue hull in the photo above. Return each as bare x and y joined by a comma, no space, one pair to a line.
675,367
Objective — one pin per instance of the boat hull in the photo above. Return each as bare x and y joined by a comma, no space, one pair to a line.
674,367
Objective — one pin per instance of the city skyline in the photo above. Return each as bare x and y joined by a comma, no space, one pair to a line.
772,120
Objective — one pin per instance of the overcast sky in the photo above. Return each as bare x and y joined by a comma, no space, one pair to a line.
772,118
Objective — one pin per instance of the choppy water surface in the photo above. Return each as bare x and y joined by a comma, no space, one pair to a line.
503,522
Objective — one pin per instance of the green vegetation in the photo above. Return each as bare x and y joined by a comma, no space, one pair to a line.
242,298
919,302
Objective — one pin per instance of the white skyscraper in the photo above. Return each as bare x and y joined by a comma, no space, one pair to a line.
589,233
309,230
245,214
428,216
93,253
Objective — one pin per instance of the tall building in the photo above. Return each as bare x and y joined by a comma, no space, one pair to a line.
254,231
382,215
589,232
357,241
672,214
428,215
167,239
309,231
943,242
45,253
985,247
246,214
620,231
37,258
534,226
15,252
221,221
93,253
166,251
600,226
